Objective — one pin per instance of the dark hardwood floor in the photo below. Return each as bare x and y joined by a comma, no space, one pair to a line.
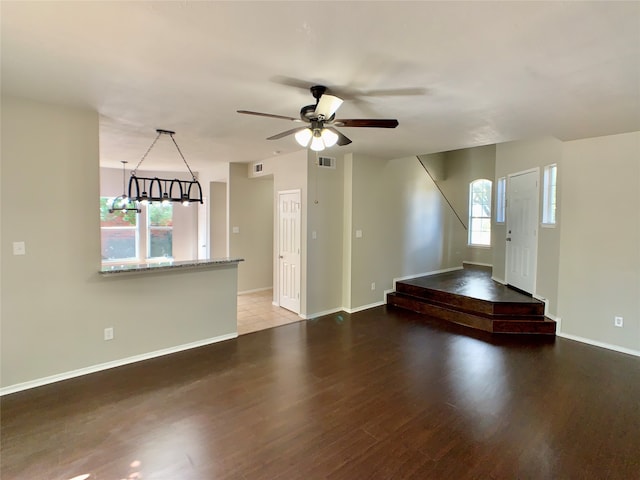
374,395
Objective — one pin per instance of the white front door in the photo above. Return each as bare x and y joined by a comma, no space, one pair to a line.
522,230
289,250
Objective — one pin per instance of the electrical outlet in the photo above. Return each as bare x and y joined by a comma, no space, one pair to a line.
618,321
373,285
108,333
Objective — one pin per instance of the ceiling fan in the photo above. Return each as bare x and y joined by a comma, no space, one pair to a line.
320,133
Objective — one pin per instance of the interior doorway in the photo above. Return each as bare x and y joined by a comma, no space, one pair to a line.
256,311
289,219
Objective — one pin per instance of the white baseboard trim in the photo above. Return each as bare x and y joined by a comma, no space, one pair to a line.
553,317
364,307
311,316
345,309
499,280
595,343
425,274
477,263
18,387
255,290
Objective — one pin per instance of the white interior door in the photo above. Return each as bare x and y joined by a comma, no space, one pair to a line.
522,230
289,250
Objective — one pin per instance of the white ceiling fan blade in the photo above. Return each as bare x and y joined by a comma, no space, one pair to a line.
328,105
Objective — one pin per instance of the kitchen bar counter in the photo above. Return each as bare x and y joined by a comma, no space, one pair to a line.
168,265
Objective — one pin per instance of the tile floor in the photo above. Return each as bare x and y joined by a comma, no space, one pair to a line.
256,312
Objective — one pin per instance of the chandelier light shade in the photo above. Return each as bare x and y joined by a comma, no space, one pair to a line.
165,190
317,144
123,202
303,137
329,138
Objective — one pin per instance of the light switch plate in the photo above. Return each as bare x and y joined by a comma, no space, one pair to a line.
236,230
358,233
19,248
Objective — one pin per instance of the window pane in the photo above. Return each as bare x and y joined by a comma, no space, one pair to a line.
118,231
549,197
160,215
500,200
160,230
480,212
117,218
477,210
118,243
160,242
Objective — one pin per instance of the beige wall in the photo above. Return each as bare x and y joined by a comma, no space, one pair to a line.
251,212
513,157
185,219
454,171
214,178
325,218
347,229
407,228
599,274
55,305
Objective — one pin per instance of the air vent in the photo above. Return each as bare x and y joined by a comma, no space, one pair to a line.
327,162
257,168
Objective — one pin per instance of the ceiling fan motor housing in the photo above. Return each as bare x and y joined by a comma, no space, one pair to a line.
317,91
308,114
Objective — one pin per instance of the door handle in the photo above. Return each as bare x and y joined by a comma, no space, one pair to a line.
280,256
508,239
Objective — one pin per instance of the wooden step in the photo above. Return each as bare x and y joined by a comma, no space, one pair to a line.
488,323
471,304
415,304
471,298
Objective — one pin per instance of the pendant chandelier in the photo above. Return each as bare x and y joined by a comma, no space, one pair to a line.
123,202
144,190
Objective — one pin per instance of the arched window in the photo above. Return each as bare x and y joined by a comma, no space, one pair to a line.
480,212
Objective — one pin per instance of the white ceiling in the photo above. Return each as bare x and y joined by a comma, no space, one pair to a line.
476,72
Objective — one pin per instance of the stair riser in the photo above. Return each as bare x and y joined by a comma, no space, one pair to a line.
453,316
503,325
547,327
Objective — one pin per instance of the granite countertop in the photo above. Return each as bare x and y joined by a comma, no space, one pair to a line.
168,265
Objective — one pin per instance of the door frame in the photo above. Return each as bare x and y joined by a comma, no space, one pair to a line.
204,238
535,170
276,243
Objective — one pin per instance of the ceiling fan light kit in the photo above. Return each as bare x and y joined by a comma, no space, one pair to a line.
321,132
317,139
303,137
